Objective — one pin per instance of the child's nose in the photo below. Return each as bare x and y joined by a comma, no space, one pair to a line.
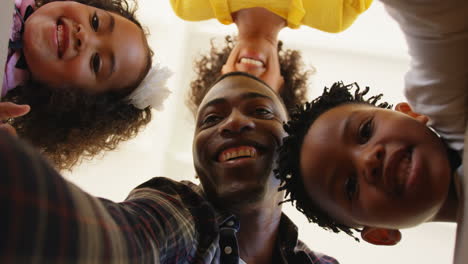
372,163
81,38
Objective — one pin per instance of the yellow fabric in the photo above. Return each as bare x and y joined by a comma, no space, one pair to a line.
325,15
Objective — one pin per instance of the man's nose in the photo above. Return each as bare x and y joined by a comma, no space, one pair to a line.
371,163
236,123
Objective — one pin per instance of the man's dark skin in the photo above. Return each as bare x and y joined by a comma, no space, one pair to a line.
242,114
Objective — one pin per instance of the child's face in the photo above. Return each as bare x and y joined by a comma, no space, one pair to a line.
367,166
68,44
257,57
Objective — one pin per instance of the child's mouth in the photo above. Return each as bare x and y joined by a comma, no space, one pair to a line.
62,38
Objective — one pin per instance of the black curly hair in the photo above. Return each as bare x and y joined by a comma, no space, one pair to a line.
67,125
208,70
288,162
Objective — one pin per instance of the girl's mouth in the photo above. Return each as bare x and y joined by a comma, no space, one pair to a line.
62,38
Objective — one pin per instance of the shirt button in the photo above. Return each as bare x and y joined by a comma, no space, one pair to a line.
228,250
230,223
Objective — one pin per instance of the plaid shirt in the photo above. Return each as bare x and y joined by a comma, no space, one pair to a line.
46,219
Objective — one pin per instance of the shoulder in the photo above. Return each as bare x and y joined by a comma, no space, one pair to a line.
315,257
298,251
174,196
330,15
429,16
23,4
167,187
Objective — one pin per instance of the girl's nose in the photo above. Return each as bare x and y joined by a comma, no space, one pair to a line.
82,38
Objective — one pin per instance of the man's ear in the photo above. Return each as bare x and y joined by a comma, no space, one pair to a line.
405,108
381,236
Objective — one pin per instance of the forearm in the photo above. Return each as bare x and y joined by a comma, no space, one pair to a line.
46,219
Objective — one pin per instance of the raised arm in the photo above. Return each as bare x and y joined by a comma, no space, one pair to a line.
46,219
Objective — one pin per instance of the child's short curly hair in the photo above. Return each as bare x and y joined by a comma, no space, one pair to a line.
208,69
288,163
67,125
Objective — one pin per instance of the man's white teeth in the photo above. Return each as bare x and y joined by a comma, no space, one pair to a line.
251,61
247,152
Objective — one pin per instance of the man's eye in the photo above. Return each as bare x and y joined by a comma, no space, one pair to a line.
95,22
365,131
351,187
263,112
96,63
210,120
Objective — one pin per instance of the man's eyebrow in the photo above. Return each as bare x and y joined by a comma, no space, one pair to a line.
253,95
212,102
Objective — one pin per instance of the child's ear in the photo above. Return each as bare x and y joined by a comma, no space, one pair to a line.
405,108
381,236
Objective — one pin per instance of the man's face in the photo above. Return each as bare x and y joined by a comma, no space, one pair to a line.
367,166
238,128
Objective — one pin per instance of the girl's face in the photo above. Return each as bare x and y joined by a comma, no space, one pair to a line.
257,57
71,45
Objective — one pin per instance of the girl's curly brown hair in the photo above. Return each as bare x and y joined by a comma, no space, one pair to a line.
67,125
208,69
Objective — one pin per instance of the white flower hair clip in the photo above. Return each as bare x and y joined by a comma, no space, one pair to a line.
152,91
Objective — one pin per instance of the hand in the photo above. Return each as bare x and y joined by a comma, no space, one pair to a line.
10,110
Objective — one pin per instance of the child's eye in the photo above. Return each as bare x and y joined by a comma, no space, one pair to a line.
365,131
95,63
351,187
95,22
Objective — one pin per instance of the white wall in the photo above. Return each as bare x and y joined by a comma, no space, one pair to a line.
372,52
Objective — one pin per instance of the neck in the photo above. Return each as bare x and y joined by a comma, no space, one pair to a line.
259,229
258,23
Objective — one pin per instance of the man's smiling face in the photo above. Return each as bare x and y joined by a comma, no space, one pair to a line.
238,128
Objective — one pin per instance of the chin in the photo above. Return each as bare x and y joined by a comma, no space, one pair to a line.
240,197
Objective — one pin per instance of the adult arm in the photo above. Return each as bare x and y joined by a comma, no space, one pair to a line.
46,219
437,83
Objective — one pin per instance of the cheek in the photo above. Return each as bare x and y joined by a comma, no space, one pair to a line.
200,148
59,74
374,207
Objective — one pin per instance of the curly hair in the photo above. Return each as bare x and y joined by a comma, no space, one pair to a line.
288,162
208,70
67,125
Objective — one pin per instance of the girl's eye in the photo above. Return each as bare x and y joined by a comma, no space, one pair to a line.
365,131
96,63
95,22
351,187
